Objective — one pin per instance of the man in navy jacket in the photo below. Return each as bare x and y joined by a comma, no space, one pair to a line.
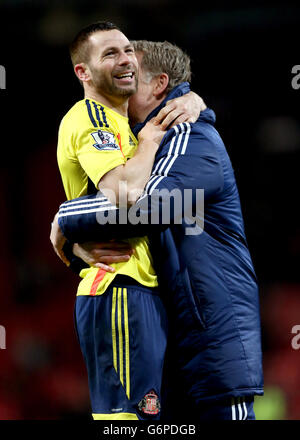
206,275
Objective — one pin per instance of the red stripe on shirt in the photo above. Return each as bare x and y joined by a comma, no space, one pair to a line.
97,280
120,143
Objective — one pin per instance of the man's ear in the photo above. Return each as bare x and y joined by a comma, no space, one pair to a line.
161,85
82,72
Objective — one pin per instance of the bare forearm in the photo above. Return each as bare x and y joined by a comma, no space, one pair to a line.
137,170
126,183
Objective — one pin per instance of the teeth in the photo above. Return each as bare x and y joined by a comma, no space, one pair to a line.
126,75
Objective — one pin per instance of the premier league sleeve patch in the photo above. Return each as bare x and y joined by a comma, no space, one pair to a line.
105,141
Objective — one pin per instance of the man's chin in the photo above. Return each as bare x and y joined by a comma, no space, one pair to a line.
126,91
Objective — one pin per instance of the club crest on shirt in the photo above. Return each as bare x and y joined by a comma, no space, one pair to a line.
150,404
104,140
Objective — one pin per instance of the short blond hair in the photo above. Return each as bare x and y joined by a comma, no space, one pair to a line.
164,57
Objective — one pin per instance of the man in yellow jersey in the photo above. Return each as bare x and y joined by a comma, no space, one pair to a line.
120,319
214,365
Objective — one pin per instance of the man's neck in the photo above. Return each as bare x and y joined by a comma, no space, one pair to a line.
118,104
140,116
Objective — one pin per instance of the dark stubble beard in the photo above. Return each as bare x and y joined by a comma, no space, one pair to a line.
107,88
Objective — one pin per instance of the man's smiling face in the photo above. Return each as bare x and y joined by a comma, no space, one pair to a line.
112,63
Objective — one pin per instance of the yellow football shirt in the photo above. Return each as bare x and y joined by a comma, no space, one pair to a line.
92,140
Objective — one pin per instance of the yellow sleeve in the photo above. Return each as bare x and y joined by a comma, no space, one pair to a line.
98,151
74,179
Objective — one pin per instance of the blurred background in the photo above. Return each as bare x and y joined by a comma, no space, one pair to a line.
242,59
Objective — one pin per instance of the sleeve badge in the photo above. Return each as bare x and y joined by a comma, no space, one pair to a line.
105,141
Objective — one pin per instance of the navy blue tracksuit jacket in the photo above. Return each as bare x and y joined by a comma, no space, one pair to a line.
206,276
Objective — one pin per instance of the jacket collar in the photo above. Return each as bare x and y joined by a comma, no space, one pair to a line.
179,90
207,115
